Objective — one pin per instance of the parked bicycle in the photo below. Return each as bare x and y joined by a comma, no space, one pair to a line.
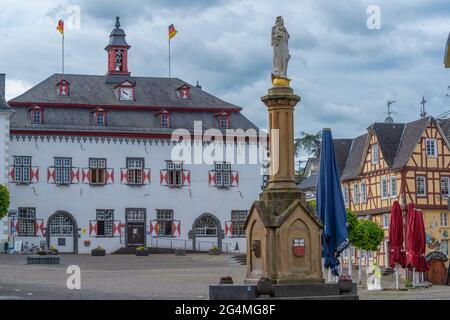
29,248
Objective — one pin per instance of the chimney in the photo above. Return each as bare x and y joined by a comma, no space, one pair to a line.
2,88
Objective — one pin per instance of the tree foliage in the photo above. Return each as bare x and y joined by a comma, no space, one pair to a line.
4,201
352,222
367,235
309,143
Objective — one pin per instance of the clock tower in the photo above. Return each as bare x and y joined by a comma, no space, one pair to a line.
117,49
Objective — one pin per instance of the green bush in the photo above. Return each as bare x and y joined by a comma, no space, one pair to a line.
4,201
367,235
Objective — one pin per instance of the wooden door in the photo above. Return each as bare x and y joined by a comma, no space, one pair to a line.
437,273
135,233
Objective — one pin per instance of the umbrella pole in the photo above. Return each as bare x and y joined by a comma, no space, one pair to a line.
396,276
414,277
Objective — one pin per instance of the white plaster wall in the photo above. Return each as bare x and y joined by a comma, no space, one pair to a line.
4,155
82,200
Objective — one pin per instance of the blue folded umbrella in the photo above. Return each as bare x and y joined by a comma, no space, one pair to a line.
330,205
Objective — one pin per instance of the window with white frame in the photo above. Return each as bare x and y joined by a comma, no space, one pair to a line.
363,192
384,188
431,148
164,219
355,193
61,226
386,221
444,219
420,186
174,173
26,222
105,220
393,187
345,194
97,168
444,247
22,169
206,227
375,154
135,168
164,120
238,219
100,119
63,170
444,186
223,174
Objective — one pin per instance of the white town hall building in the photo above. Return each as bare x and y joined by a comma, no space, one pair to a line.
88,161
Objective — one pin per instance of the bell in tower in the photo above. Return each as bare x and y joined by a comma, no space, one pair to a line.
117,49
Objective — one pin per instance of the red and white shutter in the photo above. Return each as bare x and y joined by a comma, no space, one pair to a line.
212,178
11,174
75,175
186,178
14,227
234,178
110,176
85,175
164,178
51,175
34,175
124,176
228,228
154,228
176,229
117,225
93,228
39,228
147,176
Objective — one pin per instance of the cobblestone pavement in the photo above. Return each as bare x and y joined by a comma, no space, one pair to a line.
158,276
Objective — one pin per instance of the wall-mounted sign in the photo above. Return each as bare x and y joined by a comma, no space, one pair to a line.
298,247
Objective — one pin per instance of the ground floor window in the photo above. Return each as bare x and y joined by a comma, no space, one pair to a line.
26,222
164,218
61,226
105,220
444,247
206,227
238,219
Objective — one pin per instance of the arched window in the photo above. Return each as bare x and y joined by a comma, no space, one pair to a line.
61,226
119,58
206,226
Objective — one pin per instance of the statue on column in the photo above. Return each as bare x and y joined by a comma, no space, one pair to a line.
281,56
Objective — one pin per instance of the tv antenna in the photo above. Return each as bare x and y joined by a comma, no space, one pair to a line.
389,112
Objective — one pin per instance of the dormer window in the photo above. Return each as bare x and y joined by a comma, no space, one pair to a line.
62,88
184,92
100,118
164,118
125,91
224,120
36,115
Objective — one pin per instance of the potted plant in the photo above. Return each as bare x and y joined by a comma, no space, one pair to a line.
141,251
53,250
226,280
214,250
180,252
98,252
87,243
345,283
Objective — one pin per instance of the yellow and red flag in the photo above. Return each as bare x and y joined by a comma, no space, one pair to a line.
60,26
172,31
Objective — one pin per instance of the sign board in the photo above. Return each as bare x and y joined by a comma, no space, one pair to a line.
18,246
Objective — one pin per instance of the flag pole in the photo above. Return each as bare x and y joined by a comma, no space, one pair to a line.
169,58
63,54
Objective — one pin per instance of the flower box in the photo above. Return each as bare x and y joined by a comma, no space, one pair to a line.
98,252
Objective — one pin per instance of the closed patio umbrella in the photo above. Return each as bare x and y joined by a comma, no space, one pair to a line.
330,206
397,254
420,235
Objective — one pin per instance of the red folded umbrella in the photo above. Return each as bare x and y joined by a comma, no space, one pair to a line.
412,245
420,235
396,251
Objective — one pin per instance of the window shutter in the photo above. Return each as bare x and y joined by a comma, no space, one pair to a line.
234,178
93,228
212,178
186,178
116,228
51,175
154,228
110,176
124,176
176,228
14,227
164,178
75,175
85,175
228,228
11,174
147,176
34,175
39,227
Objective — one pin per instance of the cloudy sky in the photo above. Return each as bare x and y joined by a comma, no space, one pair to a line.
343,71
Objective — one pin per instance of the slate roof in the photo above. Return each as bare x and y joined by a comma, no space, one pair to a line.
388,136
92,91
355,157
309,183
3,105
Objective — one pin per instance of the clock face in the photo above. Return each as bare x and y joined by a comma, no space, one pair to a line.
126,94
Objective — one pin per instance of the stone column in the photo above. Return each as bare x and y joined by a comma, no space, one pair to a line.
280,102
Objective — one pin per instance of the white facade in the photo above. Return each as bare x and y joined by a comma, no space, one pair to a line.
81,200
4,161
